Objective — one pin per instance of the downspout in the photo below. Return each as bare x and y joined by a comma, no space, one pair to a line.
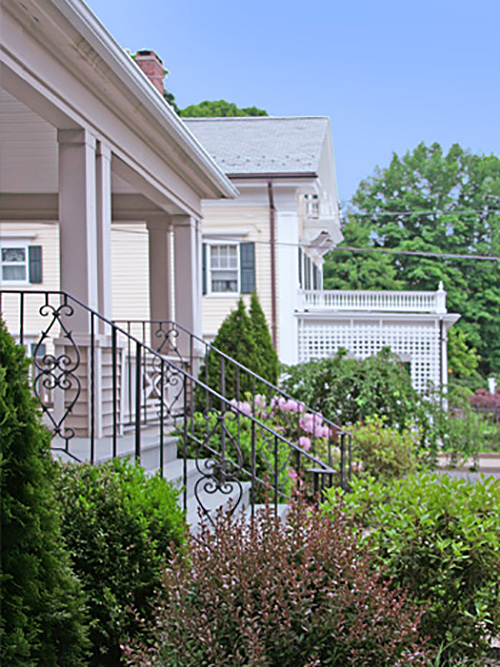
272,234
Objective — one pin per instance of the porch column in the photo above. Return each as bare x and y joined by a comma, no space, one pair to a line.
160,269
78,221
103,180
187,282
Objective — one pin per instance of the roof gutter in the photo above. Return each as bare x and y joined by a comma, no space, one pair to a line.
272,234
275,176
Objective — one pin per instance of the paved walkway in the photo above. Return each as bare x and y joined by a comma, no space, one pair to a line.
489,465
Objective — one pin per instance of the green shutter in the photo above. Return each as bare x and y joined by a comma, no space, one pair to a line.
247,267
204,268
300,268
35,263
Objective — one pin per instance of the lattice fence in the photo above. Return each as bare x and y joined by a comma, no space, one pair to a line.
416,344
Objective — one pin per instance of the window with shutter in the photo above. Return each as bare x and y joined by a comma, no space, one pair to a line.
247,254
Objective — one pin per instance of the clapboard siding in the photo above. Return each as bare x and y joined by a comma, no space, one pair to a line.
252,222
130,272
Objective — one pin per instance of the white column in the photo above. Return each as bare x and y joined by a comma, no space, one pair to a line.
160,269
103,198
187,281
77,218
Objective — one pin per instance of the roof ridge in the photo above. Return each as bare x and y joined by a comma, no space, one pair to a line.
251,118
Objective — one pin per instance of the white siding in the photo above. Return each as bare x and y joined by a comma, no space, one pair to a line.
130,271
252,222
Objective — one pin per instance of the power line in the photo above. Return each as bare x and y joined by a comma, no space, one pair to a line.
421,253
375,214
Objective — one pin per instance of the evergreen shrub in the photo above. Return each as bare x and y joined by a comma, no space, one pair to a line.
280,594
121,527
438,538
246,339
42,604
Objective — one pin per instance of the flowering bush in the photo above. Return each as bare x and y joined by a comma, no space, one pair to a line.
289,416
483,399
280,594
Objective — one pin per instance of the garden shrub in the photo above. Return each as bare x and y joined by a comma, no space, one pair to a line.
383,452
347,390
121,526
438,538
267,358
42,604
245,339
280,594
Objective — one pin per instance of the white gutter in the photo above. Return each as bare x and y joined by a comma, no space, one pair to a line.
79,15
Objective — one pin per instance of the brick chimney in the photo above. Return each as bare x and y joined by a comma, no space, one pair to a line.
152,67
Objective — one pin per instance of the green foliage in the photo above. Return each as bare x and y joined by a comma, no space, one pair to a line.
218,109
445,203
280,594
42,604
121,526
244,340
359,271
347,390
266,354
383,452
464,360
437,537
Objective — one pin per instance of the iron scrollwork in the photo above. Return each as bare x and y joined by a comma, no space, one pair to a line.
57,372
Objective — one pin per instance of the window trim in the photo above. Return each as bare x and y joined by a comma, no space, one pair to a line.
211,243
15,243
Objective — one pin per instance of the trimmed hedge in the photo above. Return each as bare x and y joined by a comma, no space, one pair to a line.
121,527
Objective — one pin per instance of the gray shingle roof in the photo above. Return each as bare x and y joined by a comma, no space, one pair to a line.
262,145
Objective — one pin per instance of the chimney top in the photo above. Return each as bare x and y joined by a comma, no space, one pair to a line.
152,66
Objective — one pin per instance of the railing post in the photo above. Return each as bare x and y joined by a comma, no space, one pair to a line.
138,377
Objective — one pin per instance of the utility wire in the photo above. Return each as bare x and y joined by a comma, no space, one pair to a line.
421,253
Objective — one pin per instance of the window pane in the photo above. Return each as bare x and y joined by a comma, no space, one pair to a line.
224,281
14,272
13,254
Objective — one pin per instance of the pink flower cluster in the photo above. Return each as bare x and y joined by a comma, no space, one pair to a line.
313,424
310,425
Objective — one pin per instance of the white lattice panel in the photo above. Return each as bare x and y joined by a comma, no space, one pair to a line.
417,344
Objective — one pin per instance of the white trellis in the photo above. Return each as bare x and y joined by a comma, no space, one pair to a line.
412,324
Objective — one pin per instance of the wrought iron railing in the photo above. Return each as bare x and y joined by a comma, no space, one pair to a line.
242,386
106,392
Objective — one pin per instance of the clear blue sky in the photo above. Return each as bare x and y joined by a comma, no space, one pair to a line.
389,74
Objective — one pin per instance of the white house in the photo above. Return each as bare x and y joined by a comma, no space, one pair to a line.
271,238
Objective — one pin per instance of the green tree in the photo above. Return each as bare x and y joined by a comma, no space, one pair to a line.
433,201
355,271
266,354
217,109
234,338
42,604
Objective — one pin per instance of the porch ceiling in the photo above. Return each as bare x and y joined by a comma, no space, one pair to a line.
29,168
